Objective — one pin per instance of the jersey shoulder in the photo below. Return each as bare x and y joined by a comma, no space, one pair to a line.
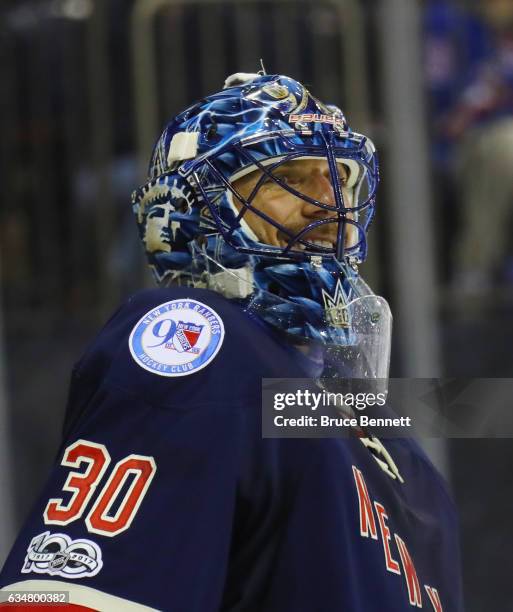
176,332
180,347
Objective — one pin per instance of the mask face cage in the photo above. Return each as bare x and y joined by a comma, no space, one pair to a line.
351,211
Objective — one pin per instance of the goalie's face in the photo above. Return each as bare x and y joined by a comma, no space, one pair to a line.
309,177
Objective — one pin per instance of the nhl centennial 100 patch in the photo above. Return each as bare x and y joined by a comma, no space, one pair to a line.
177,338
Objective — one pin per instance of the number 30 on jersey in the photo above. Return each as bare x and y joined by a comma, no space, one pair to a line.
115,505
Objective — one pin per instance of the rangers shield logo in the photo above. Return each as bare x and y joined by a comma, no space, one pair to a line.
186,336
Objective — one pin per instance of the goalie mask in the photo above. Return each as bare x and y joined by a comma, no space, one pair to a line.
202,222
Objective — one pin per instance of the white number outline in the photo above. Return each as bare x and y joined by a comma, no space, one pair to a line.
58,502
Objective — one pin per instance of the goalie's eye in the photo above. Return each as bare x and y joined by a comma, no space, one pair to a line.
296,178
292,179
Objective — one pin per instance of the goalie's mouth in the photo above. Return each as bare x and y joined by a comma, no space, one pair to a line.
326,240
324,244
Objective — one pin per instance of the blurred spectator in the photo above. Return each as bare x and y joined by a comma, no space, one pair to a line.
456,42
469,67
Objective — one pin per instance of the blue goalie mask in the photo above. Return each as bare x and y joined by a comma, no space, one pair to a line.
204,220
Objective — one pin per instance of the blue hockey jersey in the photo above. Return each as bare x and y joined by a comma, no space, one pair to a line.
165,496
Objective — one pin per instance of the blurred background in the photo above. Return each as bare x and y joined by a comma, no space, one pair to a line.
86,87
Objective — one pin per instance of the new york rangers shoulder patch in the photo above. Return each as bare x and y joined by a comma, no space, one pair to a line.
177,338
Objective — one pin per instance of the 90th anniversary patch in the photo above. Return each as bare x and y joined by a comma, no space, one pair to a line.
177,338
